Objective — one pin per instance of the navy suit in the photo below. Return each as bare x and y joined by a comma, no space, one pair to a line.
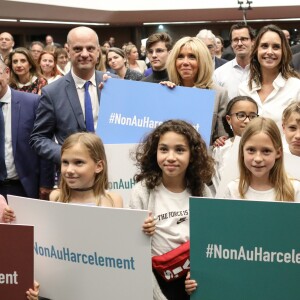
296,62
33,172
59,114
219,62
295,49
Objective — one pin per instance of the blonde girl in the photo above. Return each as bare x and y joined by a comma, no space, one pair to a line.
84,176
262,172
291,128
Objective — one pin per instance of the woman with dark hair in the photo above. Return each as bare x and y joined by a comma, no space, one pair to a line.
273,84
24,73
219,46
115,57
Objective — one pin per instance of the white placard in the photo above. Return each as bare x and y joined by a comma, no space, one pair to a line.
87,252
121,169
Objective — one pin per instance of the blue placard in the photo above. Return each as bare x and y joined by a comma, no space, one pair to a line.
130,109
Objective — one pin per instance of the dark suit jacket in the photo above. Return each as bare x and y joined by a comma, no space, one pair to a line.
228,53
59,114
296,62
219,62
33,172
295,49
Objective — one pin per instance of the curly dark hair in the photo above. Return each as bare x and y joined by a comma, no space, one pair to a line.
201,166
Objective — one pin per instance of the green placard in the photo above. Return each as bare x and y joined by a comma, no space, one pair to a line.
245,250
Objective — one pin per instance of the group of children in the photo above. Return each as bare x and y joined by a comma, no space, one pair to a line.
174,163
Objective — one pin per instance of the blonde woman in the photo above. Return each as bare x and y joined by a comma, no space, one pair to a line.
132,56
189,64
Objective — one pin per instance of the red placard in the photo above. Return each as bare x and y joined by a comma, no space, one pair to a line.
16,261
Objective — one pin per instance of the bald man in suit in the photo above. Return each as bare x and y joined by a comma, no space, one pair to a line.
61,110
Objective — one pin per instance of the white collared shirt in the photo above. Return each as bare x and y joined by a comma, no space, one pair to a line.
9,158
230,76
285,91
93,90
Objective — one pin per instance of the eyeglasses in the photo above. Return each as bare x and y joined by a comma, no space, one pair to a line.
242,116
210,46
157,51
242,39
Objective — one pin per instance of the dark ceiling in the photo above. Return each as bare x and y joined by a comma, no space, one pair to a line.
17,10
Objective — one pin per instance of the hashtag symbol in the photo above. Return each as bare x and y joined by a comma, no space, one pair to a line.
209,250
112,118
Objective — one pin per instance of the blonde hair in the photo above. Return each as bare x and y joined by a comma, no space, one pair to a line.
293,107
95,148
278,178
128,49
205,71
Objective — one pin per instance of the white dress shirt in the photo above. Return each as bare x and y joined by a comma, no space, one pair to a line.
93,90
230,76
285,91
9,158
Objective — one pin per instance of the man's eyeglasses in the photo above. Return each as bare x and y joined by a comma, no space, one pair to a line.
157,51
242,39
242,116
210,47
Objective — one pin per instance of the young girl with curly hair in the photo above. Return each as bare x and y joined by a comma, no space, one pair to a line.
173,165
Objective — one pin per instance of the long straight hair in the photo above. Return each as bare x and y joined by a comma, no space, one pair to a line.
95,148
284,67
284,189
33,71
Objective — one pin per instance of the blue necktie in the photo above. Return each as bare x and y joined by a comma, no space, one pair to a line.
89,120
3,173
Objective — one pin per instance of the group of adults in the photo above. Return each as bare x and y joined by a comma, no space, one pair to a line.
36,126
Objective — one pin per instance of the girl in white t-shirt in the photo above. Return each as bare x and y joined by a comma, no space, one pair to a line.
291,128
239,112
173,164
262,172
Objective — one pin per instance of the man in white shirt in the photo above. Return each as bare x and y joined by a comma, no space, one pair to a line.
234,72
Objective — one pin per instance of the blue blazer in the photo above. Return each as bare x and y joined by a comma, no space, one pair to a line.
59,115
219,62
33,171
